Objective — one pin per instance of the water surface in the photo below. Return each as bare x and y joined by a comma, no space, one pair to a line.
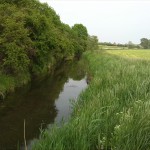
40,103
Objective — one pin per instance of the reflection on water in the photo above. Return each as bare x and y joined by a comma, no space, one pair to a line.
71,91
40,103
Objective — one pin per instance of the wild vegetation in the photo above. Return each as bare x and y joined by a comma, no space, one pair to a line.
33,40
113,112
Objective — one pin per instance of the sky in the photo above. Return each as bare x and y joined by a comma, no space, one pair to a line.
117,21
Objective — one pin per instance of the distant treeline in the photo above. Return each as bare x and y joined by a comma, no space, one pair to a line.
145,44
129,45
113,44
33,39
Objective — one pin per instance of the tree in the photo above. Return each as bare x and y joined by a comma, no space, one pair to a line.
14,40
130,45
33,38
145,43
80,36
92,43
81,31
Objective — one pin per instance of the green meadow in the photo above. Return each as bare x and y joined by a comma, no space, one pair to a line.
133,54
113,112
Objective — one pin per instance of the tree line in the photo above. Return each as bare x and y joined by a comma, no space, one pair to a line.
33,39
113,44
144,43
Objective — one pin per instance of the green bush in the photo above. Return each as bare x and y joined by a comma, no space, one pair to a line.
33,39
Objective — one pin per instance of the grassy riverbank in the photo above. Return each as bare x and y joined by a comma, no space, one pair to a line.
114,111
9,83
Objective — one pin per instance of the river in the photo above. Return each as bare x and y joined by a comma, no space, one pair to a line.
41,103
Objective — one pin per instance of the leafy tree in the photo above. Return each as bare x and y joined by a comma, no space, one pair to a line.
130,45
81,31
145,43
33,39
81,35
14,40
92,43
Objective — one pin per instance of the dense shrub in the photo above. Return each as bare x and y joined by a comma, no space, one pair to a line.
33,39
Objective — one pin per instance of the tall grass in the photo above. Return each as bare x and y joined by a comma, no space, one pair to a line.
113,112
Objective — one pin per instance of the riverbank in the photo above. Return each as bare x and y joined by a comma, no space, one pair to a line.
35,42
9,83
40,103
113,112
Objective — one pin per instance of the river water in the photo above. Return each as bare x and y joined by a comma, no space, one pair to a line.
41,104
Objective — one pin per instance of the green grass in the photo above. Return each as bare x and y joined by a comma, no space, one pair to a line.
9,83
114,111
134,54
6,83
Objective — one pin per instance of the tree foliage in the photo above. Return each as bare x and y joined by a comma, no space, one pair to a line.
33,39
145,43
14,40
92,43
80,36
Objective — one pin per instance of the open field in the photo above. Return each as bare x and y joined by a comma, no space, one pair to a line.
113,112
139,54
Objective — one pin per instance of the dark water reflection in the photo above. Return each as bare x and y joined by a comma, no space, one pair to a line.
40,103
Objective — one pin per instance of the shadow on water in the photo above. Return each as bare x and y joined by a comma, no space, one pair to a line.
40,103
